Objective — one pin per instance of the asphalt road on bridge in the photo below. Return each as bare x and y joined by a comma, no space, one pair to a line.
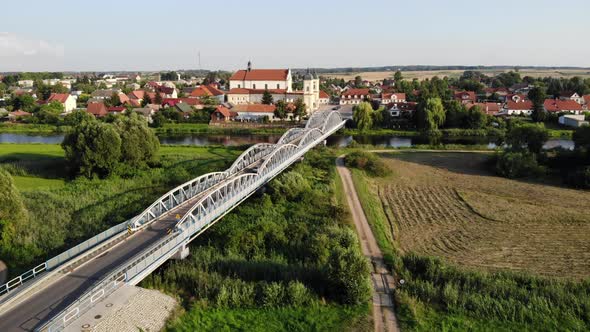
50,301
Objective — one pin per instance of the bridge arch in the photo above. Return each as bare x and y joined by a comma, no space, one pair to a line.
249,156
316,120
177,196
281,154
310,136
291,135
333,119
220,195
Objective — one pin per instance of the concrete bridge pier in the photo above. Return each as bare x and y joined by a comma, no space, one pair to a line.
182,253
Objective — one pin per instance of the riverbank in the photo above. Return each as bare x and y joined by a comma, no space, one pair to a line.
451,132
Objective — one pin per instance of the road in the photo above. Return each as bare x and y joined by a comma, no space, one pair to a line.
383,282
51,300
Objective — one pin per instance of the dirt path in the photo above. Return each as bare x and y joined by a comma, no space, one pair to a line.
383,282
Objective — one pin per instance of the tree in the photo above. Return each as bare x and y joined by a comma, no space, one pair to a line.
476,119
158,120
267,97
456,114
158,99
362,116
398,76
49,113
300,109
347,271
23,102
141,144
537,96
281,110
15,243
91,148
358,82
531,136
115,100
146,99
435,113
77,117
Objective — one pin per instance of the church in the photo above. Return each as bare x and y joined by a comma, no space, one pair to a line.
248,86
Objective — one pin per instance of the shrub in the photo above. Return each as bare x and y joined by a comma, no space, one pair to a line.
517,164
368,162
579,178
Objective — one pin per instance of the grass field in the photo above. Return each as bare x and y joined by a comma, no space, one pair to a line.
421,75
448,205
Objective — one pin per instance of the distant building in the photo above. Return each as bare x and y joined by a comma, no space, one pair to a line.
572,96
572,120
388,98
67,100
208,90
254,112
97,109
487,108
354,96
517,108
16,115
466,97
565,106
324,98
223,114
279,79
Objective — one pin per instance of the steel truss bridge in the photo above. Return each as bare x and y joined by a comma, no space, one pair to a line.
54,294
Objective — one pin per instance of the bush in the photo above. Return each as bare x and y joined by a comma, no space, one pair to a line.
368,162
517,164
579,178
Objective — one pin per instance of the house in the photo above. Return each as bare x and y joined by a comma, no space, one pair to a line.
324,98
586,101
16,115
565,106
399,109
223,114
524,107
97,109
249,78
354,96
254,112
572,96
67,100
183,108
103,94
488,108
147,112
465,97
208,90
571,120
116,110
167,92
388,98
515,97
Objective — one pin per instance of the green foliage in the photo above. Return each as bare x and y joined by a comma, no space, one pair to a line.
348,270
267,98
140,143
369,162
537,95
435,114
300,109
517,164
281,110
362,116
529,136
476,119
520,301
77,117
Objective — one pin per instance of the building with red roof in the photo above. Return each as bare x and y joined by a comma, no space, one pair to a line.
465,97
223,114
324,98
208,90
67,100
562,106
116,109
524,107
18,114
389,97
354,96
487,108
97,109
261,79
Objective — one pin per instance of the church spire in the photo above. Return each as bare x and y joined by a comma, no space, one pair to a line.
249,65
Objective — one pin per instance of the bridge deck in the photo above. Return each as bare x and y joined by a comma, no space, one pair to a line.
56,297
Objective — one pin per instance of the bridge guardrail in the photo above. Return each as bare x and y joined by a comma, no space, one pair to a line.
208,210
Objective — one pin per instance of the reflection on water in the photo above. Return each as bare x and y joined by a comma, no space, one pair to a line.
334,140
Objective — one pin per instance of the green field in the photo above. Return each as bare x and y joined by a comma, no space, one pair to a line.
479,252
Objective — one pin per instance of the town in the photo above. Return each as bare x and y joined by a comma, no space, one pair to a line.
268,95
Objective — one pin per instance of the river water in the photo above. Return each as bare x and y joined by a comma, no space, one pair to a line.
334,140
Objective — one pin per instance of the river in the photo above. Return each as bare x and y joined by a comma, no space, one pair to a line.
334,140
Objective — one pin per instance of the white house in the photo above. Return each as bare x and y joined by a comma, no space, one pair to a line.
388,98
279,79
65,99
572,96
524,107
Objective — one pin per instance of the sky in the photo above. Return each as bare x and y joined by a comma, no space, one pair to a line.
130,35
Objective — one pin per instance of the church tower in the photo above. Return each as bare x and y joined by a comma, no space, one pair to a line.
310,91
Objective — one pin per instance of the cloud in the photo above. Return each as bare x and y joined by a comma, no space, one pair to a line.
12,45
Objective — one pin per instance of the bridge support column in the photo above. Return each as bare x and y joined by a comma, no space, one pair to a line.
182,253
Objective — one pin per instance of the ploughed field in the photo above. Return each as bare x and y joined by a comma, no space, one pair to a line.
449,205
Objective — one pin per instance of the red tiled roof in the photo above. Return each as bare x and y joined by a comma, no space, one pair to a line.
136,94
399,96
356,92
465,95
97,109
61,97
586,99
556,105
123,98
206,90
226,112
116,109
165,89
255,108
134,102
324,95
488,108
260,75
520,106
20,113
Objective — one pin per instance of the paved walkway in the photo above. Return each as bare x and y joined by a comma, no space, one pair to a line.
383,282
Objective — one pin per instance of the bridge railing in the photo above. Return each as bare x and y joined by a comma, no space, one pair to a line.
203,214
